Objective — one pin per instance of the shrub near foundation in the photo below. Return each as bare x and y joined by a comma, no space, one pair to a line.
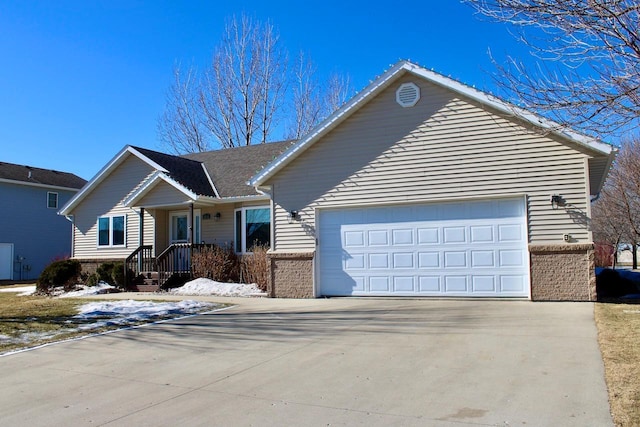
219,263
65,273
255,267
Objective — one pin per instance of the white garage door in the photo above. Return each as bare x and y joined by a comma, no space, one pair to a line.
475,249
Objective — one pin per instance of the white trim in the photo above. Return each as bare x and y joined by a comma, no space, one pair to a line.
206,172
243,221
151,182
57,199
104,172
396,72
34,184
111,245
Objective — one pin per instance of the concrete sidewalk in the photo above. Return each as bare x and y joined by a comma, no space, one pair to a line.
323,362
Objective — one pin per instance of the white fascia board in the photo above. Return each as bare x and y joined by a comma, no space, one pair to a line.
206,172
237,199
36,184
104,173
328,124
509,109
153,180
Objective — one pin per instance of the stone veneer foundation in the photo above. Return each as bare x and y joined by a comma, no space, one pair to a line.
291,275
563,272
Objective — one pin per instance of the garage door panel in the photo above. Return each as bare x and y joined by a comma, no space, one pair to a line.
453,235
403,260
428,236
455,283
450,249
429,284
484,258
378,238
379,284
428,260
482,234
403,284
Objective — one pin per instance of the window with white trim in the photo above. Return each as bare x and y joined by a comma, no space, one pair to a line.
111,231
252,227
52,200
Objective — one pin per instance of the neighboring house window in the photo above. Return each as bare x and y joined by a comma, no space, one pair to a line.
111,230
252,227
52,200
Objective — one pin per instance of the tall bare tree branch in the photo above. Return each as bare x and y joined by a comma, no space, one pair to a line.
245,93
588,70
181,124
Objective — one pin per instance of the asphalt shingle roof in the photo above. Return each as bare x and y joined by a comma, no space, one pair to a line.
33,175
187,172
231,168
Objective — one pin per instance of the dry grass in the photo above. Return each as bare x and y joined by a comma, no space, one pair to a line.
33,320
619,339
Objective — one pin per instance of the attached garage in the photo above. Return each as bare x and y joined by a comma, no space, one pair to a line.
463,249
423,186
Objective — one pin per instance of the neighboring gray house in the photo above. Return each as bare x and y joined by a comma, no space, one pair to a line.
418,186
32,234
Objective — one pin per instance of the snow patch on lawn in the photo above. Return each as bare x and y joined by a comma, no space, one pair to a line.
100,288
211,287
22,290
126,312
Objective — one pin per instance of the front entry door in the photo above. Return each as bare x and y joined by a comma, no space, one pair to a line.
179,227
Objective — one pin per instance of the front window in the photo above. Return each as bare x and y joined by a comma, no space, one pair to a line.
52,200
252,227
111,231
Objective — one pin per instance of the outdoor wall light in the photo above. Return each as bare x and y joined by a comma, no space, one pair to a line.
292,216
217,216
557,200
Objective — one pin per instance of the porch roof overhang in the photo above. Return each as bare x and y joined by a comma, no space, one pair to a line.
158,177
136,198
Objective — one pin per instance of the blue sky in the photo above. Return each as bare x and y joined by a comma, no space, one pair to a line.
82,79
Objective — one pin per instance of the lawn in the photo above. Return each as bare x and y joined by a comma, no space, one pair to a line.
33,320
28,321
619,339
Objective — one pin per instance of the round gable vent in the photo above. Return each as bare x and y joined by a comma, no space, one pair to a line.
408,94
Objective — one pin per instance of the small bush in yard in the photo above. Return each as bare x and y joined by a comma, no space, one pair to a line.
111,273
65,273
216,262
255,267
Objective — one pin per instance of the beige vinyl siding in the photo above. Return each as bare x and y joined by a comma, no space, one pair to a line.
163,194
443,148
219,232
106,200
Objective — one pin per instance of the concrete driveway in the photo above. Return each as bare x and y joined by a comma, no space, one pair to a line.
373,362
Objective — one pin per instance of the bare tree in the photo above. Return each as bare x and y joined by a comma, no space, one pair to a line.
588,71
245,93
616,215
245,86
313,101
181,124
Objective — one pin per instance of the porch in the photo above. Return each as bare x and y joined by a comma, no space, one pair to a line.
145,272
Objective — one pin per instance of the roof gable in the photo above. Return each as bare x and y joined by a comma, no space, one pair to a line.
398,70
38,176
